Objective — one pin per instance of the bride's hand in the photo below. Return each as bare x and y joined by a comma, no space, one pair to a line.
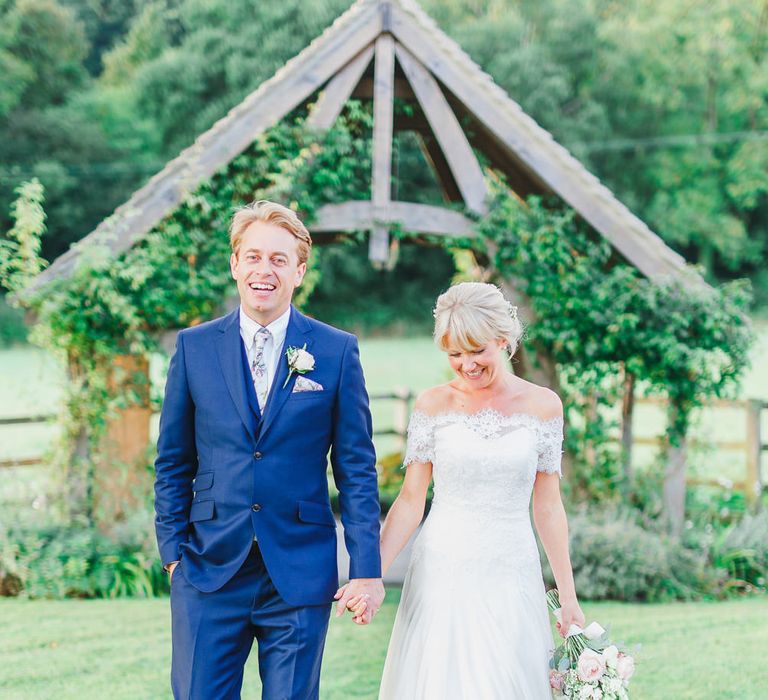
570,614
357,605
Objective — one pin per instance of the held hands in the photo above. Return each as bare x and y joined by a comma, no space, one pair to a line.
570,614
363,597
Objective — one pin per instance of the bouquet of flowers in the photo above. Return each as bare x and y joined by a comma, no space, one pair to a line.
587,664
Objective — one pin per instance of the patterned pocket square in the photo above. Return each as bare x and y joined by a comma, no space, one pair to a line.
305,384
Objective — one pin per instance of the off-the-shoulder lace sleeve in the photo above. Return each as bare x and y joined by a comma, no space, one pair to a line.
550,447
420,446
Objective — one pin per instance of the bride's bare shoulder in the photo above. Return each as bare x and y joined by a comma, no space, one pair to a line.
435,399
541,401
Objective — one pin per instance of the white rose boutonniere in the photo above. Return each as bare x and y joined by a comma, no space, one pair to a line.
299,362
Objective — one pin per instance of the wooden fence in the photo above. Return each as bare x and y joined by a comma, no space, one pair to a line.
753,445
402,398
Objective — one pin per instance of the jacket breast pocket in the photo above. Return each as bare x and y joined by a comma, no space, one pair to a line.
323,395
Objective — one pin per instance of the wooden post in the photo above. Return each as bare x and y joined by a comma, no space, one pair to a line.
673,496
78,489
590,416
627,415
754,481
537,367
383,117
121,481
402,413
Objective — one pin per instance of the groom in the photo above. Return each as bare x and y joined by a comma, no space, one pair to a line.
244,524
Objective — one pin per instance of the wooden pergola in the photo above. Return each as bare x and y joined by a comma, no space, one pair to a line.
380,50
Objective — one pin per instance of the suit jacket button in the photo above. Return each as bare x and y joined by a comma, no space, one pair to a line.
255,507
257,455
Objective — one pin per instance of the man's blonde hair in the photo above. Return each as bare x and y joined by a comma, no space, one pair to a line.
270,213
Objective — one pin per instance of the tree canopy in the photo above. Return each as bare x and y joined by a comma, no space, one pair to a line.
665,102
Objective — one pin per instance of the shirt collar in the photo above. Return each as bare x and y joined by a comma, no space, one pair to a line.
278,328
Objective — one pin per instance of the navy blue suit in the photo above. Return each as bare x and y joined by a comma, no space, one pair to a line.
226,474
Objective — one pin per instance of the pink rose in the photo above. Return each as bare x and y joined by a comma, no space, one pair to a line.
625,667
556,680
590,666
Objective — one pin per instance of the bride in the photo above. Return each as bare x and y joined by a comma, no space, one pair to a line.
472,621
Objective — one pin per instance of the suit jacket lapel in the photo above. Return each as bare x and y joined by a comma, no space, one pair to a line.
297,334
230,359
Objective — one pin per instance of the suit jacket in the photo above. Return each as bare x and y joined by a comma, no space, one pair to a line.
225,473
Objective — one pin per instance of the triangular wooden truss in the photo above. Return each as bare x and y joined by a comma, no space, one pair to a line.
450,90
443,141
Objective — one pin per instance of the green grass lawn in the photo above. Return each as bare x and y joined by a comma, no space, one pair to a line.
78,650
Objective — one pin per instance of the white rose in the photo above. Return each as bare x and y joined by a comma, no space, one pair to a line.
590,666
625,667
303,361
610,654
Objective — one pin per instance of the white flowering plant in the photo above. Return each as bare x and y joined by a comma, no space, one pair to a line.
587,665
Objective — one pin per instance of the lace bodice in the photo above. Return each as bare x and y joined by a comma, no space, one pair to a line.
485,460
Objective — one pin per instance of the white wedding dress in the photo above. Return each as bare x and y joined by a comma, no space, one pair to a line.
473,621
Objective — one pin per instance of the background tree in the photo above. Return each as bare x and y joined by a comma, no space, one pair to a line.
666,102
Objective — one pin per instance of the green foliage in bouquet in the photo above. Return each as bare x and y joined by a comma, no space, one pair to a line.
572,646
587,664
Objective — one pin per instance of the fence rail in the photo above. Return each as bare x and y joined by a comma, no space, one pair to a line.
753,445
403,397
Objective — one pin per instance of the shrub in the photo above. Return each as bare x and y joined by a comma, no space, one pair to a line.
614,558
742,550
60,561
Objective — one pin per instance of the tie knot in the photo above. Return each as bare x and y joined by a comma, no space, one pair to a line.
261,337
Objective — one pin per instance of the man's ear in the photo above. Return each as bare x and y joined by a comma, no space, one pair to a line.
233,265
301,270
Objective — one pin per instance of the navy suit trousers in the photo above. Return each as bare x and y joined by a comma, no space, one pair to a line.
213,634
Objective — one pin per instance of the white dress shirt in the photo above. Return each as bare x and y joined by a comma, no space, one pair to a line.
273,348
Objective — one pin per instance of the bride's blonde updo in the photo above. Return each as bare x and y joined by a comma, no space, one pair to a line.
472,314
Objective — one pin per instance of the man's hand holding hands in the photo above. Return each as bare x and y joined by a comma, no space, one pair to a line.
363,596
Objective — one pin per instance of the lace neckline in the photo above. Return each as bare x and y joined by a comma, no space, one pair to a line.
491,413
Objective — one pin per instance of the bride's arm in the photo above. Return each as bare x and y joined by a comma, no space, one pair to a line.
552,526
406,512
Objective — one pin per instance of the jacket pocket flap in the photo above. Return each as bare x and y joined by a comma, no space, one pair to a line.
201,510
202,481
318,513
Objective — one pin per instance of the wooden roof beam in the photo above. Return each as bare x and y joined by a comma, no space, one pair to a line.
462,161
435,158
230,136
415,218
541,155
336,93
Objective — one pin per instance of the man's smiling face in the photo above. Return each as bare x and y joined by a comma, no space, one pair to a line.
266,268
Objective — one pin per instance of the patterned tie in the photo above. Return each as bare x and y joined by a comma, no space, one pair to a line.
259,366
